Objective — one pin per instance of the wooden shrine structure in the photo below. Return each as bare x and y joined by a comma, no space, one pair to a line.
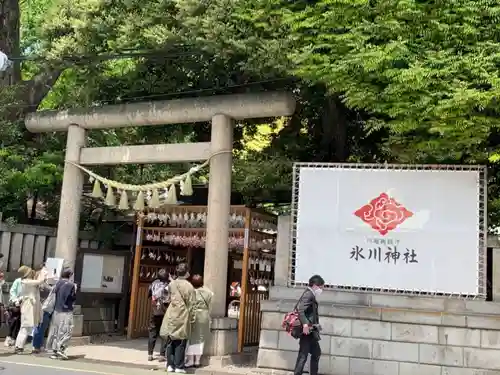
174,234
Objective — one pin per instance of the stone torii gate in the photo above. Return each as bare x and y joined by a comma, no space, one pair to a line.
220,110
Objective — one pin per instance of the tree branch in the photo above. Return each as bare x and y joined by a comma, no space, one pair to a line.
38,87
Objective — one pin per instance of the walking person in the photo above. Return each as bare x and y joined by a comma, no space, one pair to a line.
200,329
31,308
14,309
3,305
178,319
61,327
307,309
159,299
46,294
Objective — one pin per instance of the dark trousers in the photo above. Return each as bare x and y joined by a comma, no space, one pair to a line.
176,350
39,332
308,344
14,321
154,334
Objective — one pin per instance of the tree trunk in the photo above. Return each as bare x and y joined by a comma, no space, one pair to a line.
10,39
339,126
18,97
32,216
332,132
28,94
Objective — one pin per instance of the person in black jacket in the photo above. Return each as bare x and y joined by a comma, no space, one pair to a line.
307,309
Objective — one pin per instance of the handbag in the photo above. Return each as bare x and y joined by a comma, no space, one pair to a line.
291,322
233,310
204,300
49,304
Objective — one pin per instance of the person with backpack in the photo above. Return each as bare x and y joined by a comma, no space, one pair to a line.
158,293
307,327
14,309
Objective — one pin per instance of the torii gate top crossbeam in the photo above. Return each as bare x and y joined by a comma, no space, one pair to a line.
178,111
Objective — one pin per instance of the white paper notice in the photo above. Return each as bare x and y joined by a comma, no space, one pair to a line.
92,272
112,275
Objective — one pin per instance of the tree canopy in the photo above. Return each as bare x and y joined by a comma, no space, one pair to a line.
409,81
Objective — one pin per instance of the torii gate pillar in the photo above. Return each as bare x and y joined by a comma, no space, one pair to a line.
71,196
219,208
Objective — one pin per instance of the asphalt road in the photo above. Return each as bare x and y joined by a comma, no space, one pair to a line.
18,369
31,365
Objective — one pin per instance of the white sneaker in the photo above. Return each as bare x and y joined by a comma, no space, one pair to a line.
62,354
7,342
180,371
170,369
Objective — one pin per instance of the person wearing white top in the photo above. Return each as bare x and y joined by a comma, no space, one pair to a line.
31,307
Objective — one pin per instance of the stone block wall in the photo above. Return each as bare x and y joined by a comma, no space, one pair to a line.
377,334
99,319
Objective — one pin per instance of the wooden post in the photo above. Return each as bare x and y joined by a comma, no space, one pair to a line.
244,281
135,278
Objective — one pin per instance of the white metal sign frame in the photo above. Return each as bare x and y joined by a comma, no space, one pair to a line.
482,223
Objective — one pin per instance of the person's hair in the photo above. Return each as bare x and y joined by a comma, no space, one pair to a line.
31,274
26,272
316,280
39,267
66,273
163,274
181,270
197,281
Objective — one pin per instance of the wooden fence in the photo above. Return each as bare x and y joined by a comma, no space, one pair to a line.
30,245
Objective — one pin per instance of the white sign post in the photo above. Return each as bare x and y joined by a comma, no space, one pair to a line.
54,267
401,229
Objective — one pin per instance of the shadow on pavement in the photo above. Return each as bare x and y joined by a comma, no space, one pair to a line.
6,354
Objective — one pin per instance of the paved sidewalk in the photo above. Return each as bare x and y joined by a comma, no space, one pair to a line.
133,353
127,352
130,355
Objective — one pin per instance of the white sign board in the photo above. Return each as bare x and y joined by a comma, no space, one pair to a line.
406,229
102,273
